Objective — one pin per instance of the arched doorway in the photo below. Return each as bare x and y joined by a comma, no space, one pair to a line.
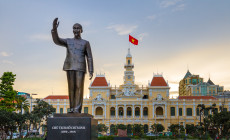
99,111
159,111
146,128
112,129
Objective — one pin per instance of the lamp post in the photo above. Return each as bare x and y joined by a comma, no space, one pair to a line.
32,101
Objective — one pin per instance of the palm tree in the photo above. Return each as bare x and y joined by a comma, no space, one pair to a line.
22,103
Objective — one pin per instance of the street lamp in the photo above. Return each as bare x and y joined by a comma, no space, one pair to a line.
31,107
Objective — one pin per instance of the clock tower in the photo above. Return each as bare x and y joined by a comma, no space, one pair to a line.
129,73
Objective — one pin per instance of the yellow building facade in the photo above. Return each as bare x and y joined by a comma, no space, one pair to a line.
132,104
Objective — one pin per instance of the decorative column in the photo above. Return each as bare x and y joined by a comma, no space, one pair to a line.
166,110
93,109
194,109
64,108
125,111
177,110
141,111
116,111
184,109
58,110
133,110
153,110
105,111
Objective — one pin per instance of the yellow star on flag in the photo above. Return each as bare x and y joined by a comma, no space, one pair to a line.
133,40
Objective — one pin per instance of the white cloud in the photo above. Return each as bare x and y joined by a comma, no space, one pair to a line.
122,29
7,62
179,7
5,54
141,36
41,37
153,17
168,3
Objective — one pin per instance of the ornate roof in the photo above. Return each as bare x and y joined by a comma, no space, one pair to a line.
188,74
210,82
57,97
158,80
99,81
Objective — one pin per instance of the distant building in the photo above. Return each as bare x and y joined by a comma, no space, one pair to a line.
132,104
26,95
193,85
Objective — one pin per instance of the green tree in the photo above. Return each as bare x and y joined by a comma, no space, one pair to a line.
176,129
157,128
42,110
22,103
7,93
190,129
102,128
138,130
218,124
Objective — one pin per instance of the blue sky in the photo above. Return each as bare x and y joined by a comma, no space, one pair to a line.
173,35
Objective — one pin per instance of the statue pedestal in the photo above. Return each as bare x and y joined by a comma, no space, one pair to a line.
72,126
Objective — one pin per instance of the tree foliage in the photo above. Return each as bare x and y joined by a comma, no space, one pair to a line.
102,128
176,129
7,93
157,128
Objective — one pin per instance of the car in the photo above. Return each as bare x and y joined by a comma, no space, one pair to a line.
151,134
14,136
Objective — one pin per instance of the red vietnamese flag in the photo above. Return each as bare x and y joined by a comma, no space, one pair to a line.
133,40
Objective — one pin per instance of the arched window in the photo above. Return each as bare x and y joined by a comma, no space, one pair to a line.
99,111
128,62
129,111
137,111
112,111
159,111
120,111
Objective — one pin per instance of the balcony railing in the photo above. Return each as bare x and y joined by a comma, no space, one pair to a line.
160,116
120,116
99,116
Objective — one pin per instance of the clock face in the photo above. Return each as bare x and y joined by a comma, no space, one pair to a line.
129,77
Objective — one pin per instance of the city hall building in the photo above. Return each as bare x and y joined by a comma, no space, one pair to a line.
132,104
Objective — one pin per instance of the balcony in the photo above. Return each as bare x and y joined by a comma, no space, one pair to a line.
120,116
129,117
145,116
112,116
160,116
99,116
137,117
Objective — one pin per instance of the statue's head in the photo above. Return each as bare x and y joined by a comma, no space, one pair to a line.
77,29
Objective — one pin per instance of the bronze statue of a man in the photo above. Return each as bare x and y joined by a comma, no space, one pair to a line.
75,64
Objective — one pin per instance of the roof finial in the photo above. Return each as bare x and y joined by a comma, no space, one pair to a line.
128,50
187,67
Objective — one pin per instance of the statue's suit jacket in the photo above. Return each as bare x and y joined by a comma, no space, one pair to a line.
78,50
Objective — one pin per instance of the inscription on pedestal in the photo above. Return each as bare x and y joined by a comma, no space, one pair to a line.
71,128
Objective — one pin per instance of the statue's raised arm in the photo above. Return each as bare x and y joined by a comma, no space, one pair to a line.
55,24
57,40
